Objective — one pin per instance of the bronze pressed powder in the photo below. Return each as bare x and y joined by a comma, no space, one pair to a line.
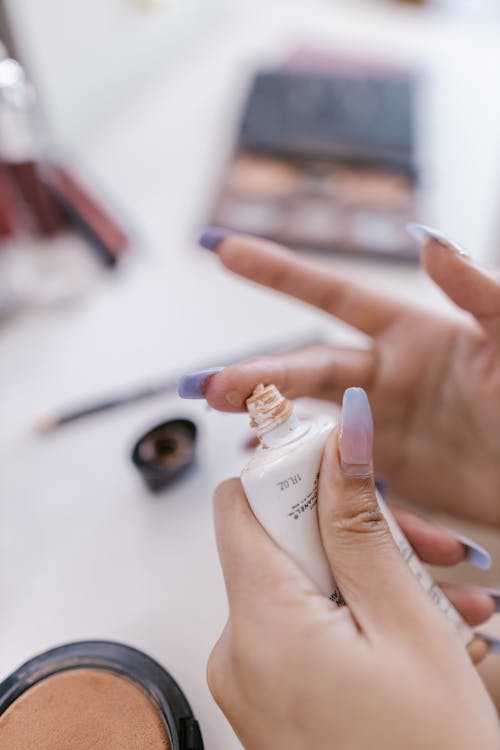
95,695
84,709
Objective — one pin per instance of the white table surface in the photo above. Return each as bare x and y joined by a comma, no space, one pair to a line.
85,551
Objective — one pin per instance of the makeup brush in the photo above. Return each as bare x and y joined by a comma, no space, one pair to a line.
51,420
57,418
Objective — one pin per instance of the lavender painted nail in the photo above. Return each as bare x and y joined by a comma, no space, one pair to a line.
382,485
211,237
423,234
474,553
193,384
493,641
356,433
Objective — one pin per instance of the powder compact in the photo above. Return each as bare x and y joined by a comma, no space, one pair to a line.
165,452
95,694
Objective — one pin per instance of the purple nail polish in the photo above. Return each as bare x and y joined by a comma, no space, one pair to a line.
423,235
193,384
356,433
474,553
493,641
212,237
382,485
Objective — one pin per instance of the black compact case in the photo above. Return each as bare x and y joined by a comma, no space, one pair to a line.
123,660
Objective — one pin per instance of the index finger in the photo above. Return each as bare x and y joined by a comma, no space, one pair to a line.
276,267
318,371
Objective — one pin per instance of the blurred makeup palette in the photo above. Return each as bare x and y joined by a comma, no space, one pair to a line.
325,160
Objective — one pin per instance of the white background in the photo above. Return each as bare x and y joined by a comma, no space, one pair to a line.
85,552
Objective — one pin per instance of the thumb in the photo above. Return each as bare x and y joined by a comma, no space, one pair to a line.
368,567
466,284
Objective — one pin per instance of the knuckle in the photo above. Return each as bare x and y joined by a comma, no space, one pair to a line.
253,658
216,673
242,637
335,299
278,277
361,514
362,521
234,667
257,360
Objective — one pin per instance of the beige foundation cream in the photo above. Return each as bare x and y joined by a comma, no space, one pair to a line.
97,695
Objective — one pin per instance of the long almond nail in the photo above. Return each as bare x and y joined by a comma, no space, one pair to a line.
476,555
423,234
356,433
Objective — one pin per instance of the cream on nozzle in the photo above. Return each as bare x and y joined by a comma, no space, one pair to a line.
268,408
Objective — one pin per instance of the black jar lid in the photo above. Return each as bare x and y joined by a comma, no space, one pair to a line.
123,660
165,452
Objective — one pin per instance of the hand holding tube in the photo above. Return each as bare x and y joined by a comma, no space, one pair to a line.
294,670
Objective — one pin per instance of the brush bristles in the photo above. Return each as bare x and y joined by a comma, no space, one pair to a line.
45,423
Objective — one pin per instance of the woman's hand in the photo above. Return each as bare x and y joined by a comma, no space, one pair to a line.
292,670
434,383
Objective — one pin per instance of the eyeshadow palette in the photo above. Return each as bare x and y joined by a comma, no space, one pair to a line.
325,162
